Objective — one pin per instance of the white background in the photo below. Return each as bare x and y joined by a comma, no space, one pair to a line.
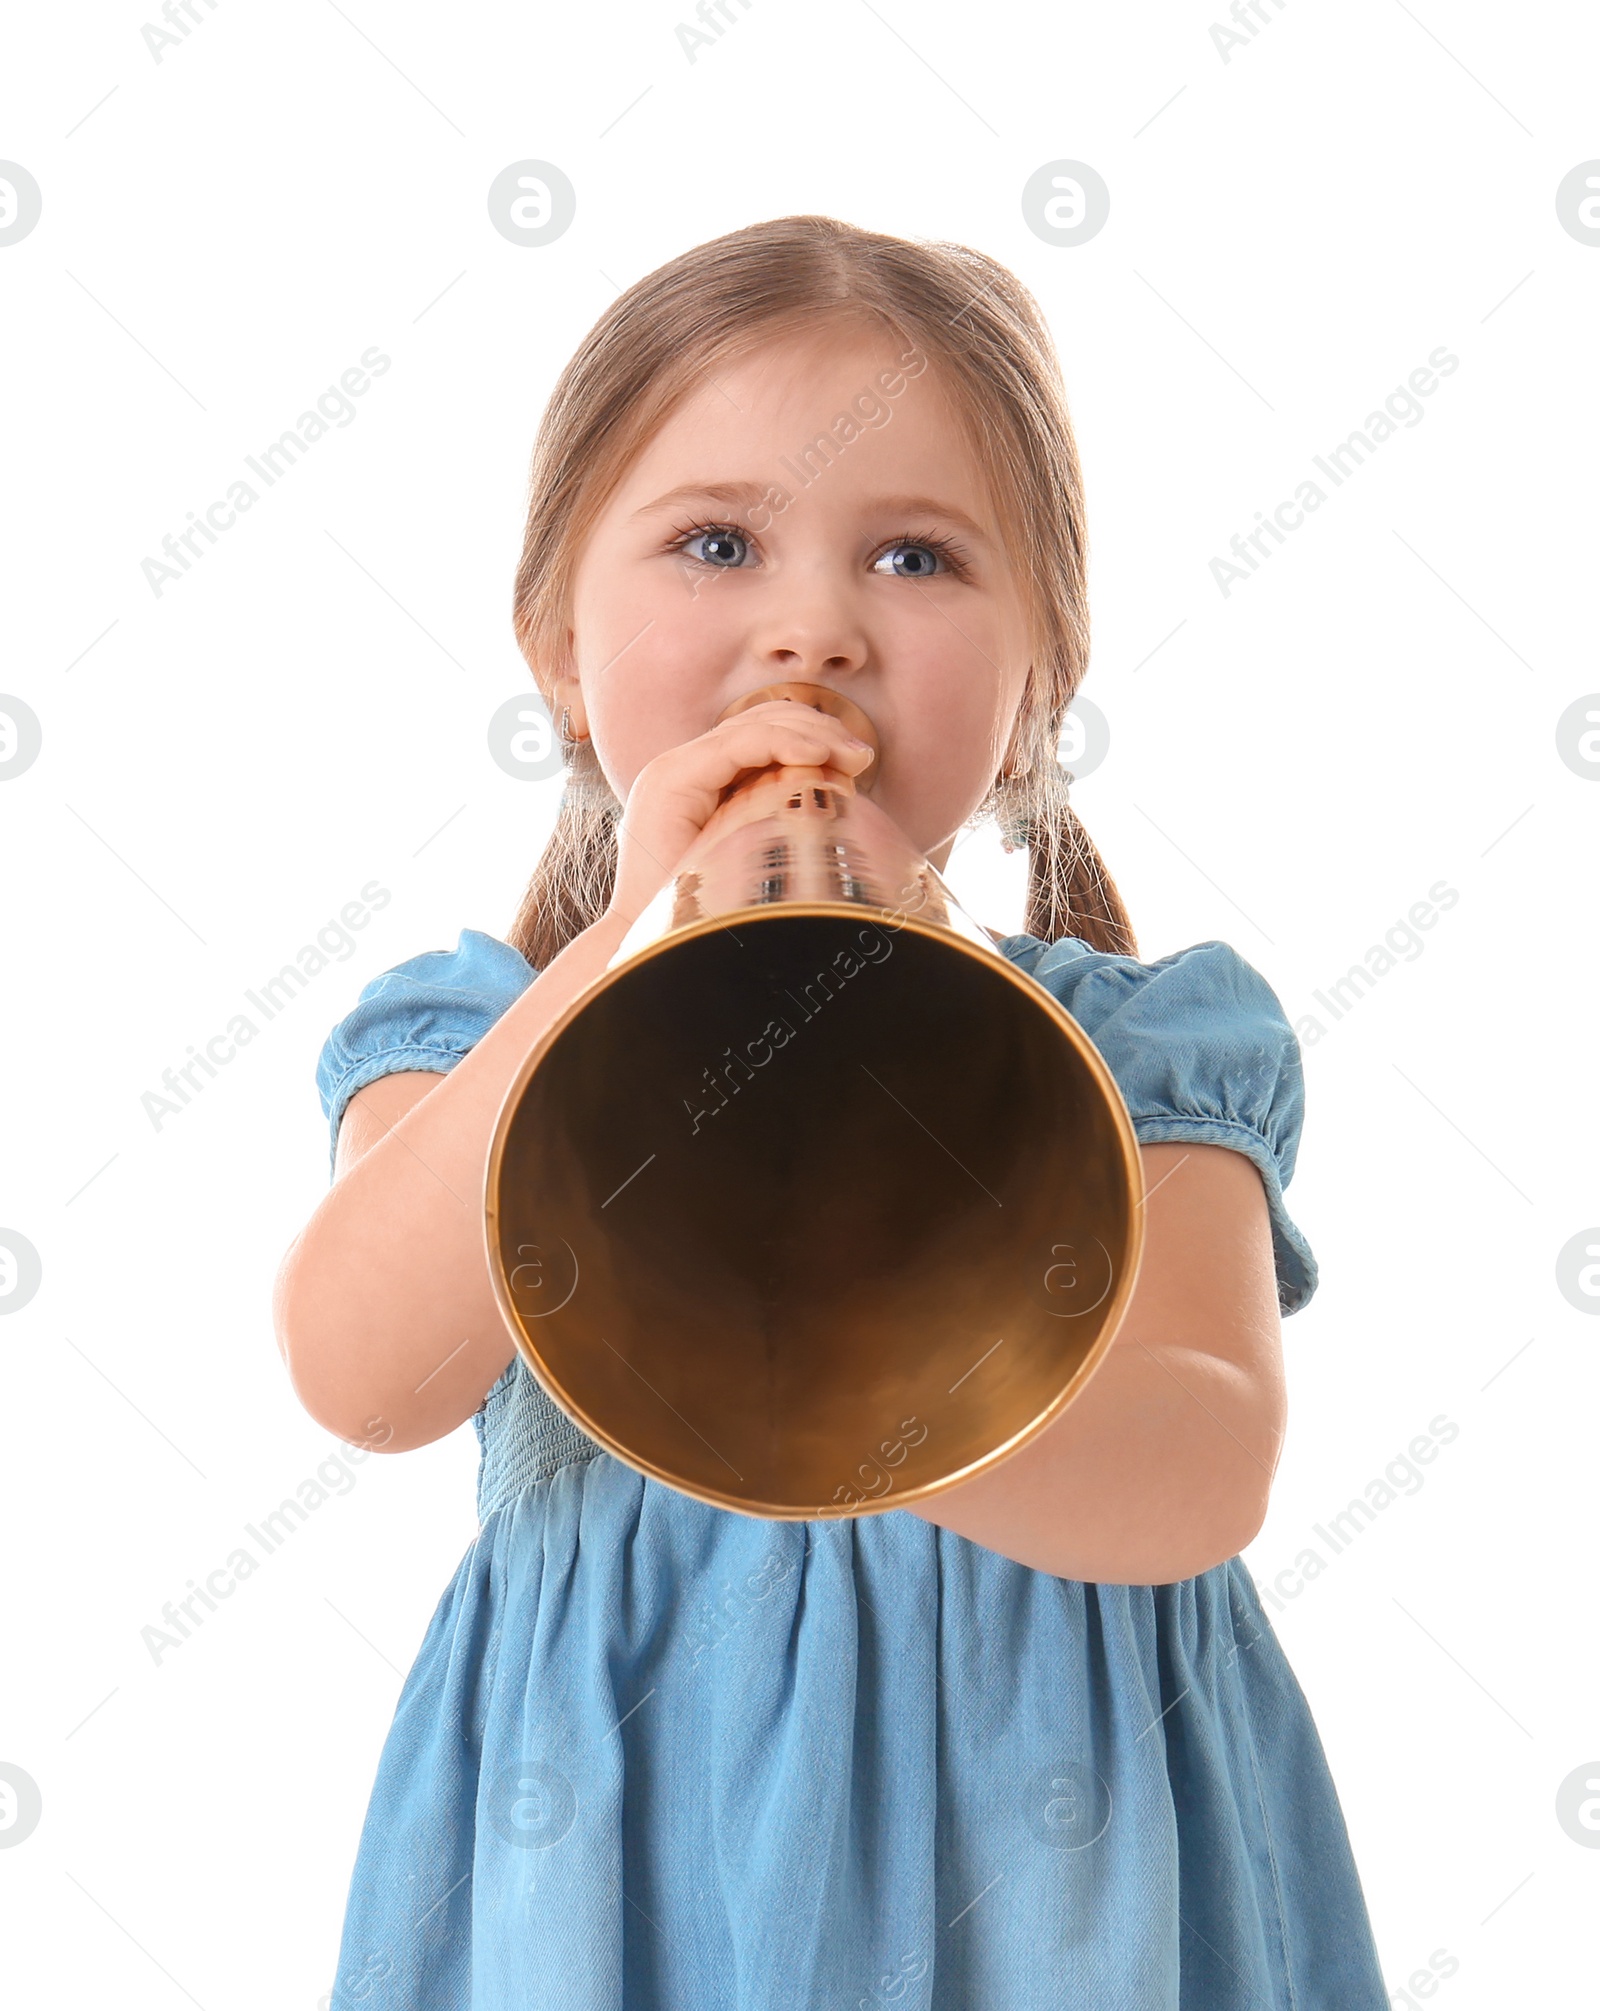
1292,766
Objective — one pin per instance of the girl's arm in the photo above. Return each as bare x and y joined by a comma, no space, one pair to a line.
384,1307
1161,1467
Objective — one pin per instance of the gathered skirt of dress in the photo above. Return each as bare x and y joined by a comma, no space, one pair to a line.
654,1755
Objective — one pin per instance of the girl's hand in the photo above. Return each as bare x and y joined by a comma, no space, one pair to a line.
673,796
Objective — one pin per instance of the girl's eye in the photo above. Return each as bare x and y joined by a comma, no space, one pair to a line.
719,545
915,559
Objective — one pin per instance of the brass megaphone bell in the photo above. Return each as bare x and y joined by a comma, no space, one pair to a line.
812,1204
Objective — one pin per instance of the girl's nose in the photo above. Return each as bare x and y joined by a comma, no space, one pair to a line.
813,634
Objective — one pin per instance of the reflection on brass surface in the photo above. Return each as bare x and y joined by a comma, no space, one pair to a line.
845,1207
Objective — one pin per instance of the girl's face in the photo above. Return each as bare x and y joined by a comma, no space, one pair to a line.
814,513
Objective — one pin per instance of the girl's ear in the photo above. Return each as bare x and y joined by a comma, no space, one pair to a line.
1015,762
567,690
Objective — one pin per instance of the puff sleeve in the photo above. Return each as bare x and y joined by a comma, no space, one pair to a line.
424,1014
1202,1052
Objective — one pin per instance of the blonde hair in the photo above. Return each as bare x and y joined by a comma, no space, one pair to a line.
984,334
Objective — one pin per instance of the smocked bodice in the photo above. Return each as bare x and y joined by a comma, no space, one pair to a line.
523,1438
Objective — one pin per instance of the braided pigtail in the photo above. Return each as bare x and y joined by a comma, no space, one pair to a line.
576,871
1070,893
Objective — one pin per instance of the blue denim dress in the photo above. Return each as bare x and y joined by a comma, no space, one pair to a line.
656,1755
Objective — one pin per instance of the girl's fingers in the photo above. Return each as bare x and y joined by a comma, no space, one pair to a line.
765,736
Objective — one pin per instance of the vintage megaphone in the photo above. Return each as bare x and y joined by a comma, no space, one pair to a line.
813,1203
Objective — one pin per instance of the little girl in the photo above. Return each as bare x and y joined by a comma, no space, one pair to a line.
1030,1742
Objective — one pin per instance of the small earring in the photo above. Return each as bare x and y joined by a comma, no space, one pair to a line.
565,728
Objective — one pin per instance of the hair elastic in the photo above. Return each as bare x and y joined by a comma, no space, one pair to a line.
1024,802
